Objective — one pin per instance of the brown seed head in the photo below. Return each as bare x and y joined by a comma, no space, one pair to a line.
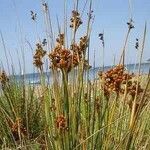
114,78
61,123
3,78
75,20
38,56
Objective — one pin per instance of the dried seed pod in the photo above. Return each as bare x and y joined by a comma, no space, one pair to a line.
17,128
130,24
61,39
80,49
137,44
38,56
63,58
114,78
75,20
61,123
3,78
33,15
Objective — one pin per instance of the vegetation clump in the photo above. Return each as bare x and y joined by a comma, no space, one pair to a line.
73,112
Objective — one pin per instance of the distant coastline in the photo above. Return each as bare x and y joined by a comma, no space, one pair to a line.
36,74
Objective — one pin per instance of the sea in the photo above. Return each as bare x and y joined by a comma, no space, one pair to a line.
34,78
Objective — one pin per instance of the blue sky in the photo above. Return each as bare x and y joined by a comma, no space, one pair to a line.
110,16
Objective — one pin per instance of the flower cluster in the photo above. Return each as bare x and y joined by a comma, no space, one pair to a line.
61,39
38,56
121,82
79,49
45,6
75,20
66,59
17,128
114,78
61,123
33,15
90,14
137,44
131,88
3,78
83,43
97,104
63,59
130,24
101,38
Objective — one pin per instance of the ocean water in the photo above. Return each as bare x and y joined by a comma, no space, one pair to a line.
34,78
